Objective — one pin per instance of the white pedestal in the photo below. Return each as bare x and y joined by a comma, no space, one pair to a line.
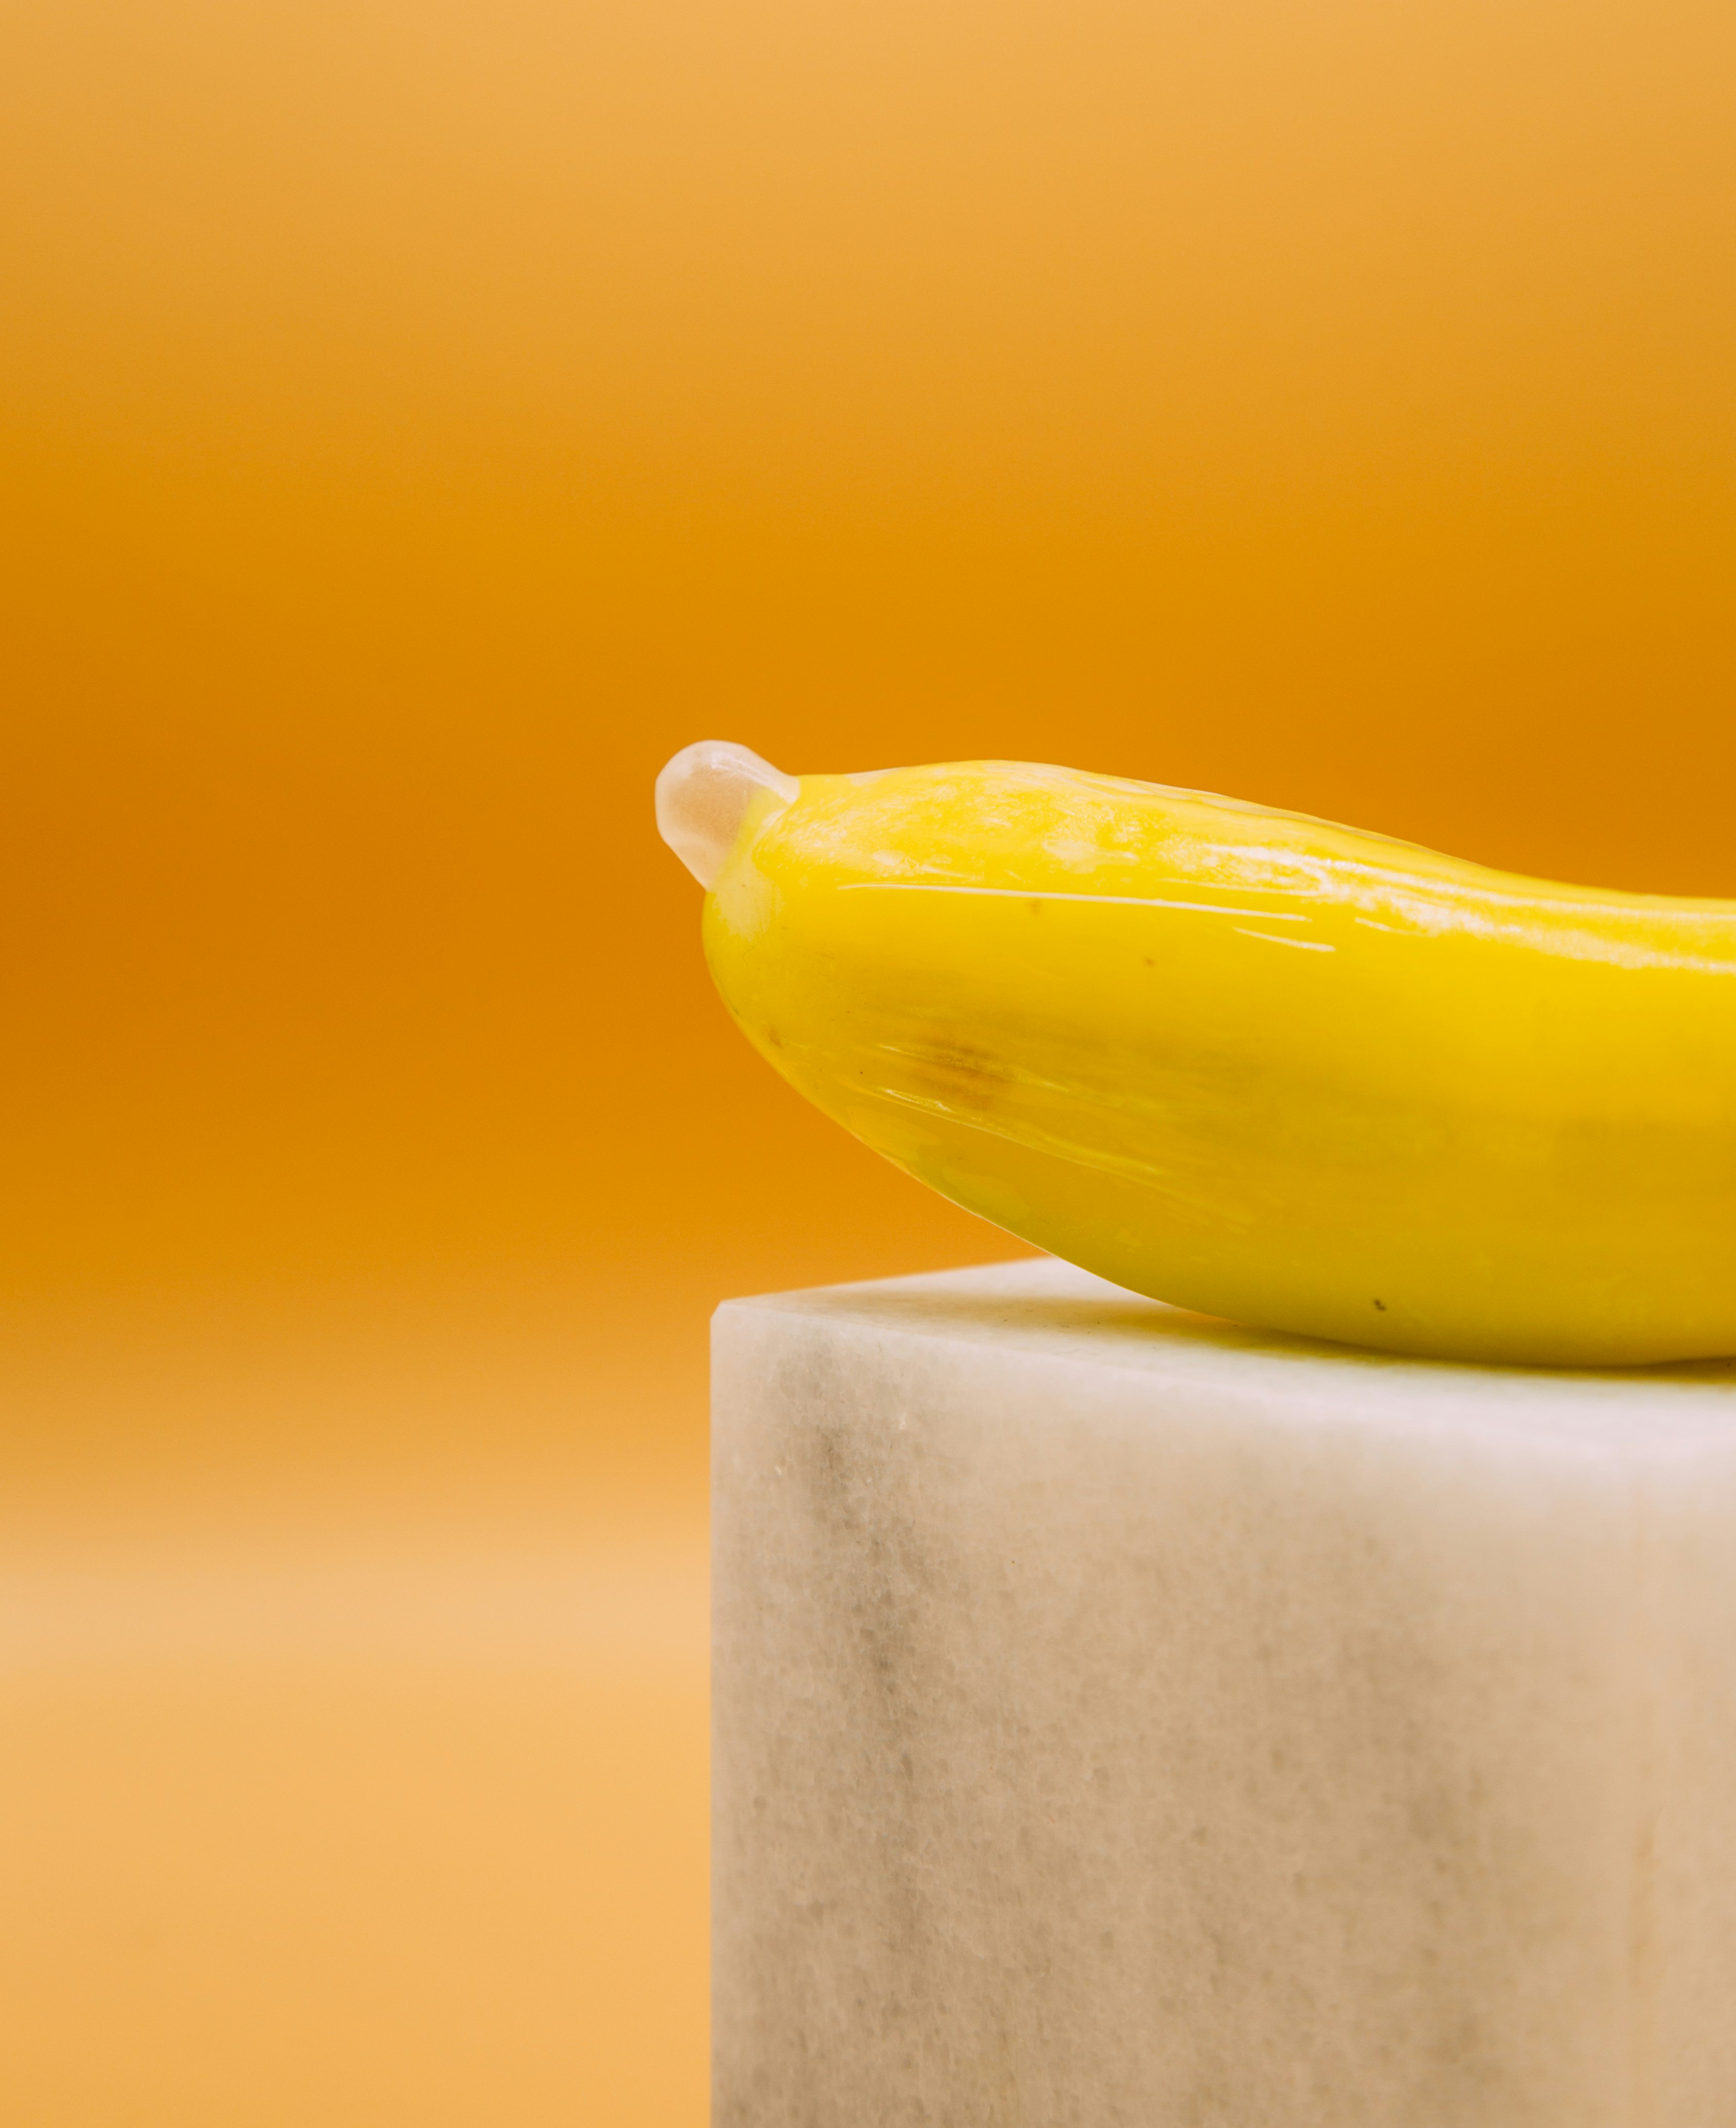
1127,1720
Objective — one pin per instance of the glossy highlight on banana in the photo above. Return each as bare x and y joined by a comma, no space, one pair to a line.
1247,1062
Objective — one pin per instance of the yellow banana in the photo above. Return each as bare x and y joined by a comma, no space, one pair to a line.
1242,1061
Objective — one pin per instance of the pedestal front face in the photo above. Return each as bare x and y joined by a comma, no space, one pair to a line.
1126,1720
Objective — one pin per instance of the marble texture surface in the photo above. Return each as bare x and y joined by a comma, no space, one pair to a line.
1124,1718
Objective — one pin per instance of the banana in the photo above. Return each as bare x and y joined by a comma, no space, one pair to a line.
1247,1062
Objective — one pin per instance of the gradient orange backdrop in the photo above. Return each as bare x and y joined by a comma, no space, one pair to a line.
417,422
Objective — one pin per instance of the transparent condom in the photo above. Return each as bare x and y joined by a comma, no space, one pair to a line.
703,797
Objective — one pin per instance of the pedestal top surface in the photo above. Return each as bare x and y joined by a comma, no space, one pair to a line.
1054,1315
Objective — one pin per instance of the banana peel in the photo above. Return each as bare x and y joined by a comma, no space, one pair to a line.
1244,1061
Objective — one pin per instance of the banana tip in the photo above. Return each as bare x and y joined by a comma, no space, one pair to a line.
703,797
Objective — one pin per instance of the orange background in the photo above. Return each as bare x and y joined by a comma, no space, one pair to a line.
417,422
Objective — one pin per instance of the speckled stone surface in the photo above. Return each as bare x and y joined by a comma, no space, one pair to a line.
1124,1718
